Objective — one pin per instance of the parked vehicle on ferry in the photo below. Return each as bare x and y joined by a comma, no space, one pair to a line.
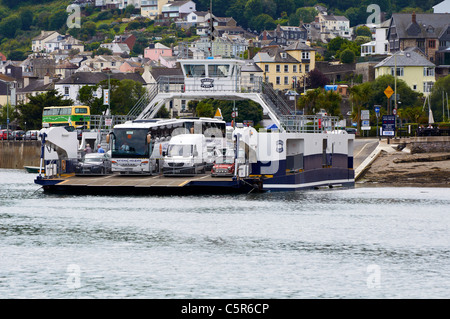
186,155
94,163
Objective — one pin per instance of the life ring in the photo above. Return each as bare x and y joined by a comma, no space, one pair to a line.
63,165
160,149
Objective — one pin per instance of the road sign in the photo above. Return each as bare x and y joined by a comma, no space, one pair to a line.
394,111
389,91
377,109
388,125
365,125
365,115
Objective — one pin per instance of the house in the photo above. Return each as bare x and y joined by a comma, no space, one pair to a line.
2,57
33,86
39,64
117,48
62,42
69,87
38,43
6,83
334,26
131,67
102,62
412,67
152,8
128,39
336,72
251,76
65,69
197,18
155,75
442,7
155,50
177,9
285,68
284,35
429,32
380,44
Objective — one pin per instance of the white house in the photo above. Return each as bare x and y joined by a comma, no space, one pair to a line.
178,9
38,43
117,48
442,7
380,44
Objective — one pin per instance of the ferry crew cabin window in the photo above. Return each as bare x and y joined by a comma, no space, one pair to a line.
193,70
218,70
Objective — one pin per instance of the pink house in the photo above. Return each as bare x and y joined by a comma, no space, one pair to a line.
154,51
131,67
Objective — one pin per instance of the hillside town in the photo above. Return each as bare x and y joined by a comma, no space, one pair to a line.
413,47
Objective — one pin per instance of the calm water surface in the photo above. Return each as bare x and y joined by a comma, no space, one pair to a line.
357,243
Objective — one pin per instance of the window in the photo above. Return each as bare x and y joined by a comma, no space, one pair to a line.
266,68
428,71
66,90
300,68
278,80
415,87
294,68
427,87
193,70
218,70
252,78
278,68
286,68
432,44
305,55
306,67
420,43
286,80
399,71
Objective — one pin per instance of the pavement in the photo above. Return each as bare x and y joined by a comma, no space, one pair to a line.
367,162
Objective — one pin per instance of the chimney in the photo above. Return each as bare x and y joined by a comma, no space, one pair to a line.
413,17
26,81
265,35
46,79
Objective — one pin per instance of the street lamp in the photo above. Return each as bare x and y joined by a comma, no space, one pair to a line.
395,77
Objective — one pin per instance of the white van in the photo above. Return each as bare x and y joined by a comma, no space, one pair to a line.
186,155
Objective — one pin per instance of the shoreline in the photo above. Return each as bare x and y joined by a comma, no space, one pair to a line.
400,168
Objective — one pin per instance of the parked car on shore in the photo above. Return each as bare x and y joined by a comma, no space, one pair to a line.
18,135
31,135
6,135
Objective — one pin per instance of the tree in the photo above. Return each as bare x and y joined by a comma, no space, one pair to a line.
9,26
26,17
441,86
317,79
347,56
31,112
205,109
363,31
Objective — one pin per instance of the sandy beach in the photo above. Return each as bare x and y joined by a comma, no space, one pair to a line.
403,169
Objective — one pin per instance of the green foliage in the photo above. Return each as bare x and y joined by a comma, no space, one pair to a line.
363,31
347,56
31,112
439,98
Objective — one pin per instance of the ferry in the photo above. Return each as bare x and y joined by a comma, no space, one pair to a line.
299,152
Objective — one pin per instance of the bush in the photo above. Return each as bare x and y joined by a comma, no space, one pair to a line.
347,56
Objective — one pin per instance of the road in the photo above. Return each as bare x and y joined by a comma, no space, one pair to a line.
362,148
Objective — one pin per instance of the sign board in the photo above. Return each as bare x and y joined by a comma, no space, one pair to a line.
388,125
365,115
389,91
365,125
108,122
218,114
394,111
105,97
377,110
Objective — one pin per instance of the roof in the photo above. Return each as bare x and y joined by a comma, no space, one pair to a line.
36,85
427,25
409,58
96,77
160,71
250,66
299,46
275,52
6,78
44,35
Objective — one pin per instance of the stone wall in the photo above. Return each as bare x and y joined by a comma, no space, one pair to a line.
17,154
430,144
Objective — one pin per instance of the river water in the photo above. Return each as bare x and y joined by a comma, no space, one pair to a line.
348,243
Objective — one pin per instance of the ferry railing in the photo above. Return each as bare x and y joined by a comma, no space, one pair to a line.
142,103
282,107
177,84
309,123
103,122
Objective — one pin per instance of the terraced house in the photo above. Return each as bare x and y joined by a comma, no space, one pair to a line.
286,68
